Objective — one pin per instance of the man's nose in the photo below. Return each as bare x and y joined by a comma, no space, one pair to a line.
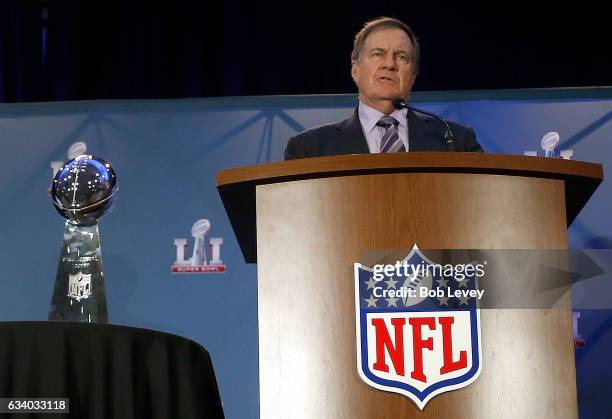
389,62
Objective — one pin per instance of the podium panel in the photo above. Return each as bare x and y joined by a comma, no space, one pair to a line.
309,234
306,222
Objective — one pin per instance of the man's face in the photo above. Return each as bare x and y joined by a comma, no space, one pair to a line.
385,68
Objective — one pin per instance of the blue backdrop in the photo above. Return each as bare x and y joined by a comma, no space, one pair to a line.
166,154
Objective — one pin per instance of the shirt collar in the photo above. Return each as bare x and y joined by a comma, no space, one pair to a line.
370,116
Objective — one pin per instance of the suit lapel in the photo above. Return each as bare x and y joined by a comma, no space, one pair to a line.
420,134
351,139
416,133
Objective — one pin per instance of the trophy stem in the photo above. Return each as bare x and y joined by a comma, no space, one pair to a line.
79,294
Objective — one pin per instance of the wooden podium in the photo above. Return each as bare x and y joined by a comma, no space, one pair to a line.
305,222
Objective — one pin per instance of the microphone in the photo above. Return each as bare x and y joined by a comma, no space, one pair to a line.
400,103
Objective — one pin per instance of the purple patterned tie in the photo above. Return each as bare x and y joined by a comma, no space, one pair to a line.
390,141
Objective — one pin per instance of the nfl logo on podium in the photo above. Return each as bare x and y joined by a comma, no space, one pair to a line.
418,332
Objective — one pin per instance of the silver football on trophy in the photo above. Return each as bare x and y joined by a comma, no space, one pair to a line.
84,189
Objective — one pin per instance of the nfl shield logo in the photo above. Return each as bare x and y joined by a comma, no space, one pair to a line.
418,331
79,286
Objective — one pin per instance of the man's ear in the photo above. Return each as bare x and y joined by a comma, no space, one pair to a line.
354,70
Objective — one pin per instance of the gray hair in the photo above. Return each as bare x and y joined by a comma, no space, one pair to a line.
385,23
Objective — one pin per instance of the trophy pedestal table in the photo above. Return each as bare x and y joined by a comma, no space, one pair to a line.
108,372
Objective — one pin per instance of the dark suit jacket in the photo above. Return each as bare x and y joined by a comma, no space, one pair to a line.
346,137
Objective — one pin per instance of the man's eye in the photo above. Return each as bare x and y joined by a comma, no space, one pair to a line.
376,54
403,58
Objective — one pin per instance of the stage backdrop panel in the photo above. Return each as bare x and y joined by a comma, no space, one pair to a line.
166,154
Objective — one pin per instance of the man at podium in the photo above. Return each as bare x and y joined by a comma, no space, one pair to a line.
385,63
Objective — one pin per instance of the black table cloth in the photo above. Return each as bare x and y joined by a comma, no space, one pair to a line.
108,372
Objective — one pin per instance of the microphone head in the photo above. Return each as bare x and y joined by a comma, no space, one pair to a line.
399,103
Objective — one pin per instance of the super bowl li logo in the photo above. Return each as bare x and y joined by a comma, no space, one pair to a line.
418,333
199,261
